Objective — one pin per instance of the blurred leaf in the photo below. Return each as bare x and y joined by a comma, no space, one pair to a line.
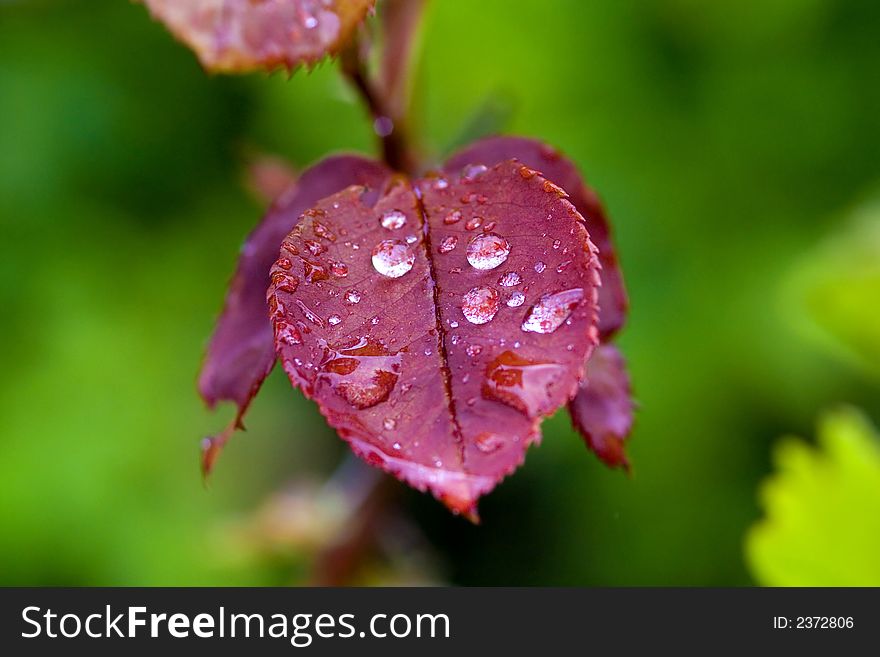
823,509
243,35
838,288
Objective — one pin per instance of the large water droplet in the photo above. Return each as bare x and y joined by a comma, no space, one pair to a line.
487,251
552,310
363,374
448,244
521,383
392,258
393,219
479,305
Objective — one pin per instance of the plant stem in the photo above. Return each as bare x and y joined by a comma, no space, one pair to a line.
388,98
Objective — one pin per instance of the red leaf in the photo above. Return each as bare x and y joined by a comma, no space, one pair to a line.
602,410
241,352
613,301
244,35
437,323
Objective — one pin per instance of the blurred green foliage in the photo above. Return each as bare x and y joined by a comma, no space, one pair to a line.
823,509
727,138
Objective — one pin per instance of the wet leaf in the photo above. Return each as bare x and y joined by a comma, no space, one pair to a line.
437,322
241,352
245,35
602,410
613,302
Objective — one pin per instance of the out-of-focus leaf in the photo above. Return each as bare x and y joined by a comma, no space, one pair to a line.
822,524
838,285
244,35
602,410
613,302
438,322
241,352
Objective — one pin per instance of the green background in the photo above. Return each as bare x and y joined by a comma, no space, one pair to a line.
732,142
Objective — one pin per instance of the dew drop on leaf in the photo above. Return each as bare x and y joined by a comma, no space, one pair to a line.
333,320
473,223
392,258
448,244
521,383
540,266
339,269
353,296
452,218
480,305
510,279
516,299
393,219
488,442
363,374
487,251
552,310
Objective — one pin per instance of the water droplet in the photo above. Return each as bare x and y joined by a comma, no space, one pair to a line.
363,374
474,350
455,339
562,266
473,223
489,226
383,126
488,442
314,272
389,423
441,183
374,321
516,299
473,171
453,323
333,320
392,258
309,315
510,279
411,239
452,218
315,247
557,244
284,263
540,266
479,305
393,219
353,296
287,334
322,230
428,352
396,446
447,244
339,269
284,282
487,251
527,173
310,22
521,383
552,310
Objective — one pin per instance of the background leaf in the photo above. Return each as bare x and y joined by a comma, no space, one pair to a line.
822,524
